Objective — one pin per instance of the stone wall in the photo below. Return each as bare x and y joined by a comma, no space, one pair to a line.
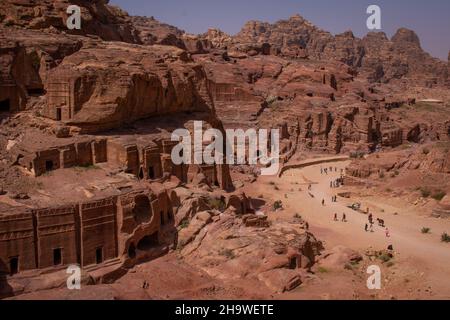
60,100
153,161
152,168
88,233
98,231
45,161
17,242
56,232
84,153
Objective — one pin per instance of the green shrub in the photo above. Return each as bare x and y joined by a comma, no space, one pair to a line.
426,230
277,205
227,253
357,155
439,195
217,204
445,237
348,266
385,257
322,270
271,100
184,224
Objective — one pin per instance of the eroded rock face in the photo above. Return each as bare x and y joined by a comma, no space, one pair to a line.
432,159
228,249
98,18
104,86
152,31
378,57
26,57
83,93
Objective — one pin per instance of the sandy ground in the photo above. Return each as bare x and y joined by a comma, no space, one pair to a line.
420,256
419,269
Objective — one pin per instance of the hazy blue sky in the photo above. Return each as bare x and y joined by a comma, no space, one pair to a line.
429,18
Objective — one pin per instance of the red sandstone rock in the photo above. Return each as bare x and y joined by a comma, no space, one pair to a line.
86,138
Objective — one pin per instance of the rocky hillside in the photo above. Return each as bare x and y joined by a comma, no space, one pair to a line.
381,58
98,18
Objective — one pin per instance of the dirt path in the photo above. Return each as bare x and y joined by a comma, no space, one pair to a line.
429,254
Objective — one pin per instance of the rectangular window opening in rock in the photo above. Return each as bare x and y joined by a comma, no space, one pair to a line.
99,255
57,257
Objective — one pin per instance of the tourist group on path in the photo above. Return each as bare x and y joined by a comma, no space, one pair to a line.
336,184
369,226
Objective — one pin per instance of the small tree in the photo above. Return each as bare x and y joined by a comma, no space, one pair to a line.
277,205
439,195
426,230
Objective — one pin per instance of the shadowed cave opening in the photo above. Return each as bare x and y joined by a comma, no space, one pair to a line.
99,255
5,105
48,165
142,210
148,242
58,114
57,256
132,251
151,173
293,263
36,92
14,265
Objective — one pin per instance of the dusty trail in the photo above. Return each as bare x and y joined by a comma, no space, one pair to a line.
427,251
